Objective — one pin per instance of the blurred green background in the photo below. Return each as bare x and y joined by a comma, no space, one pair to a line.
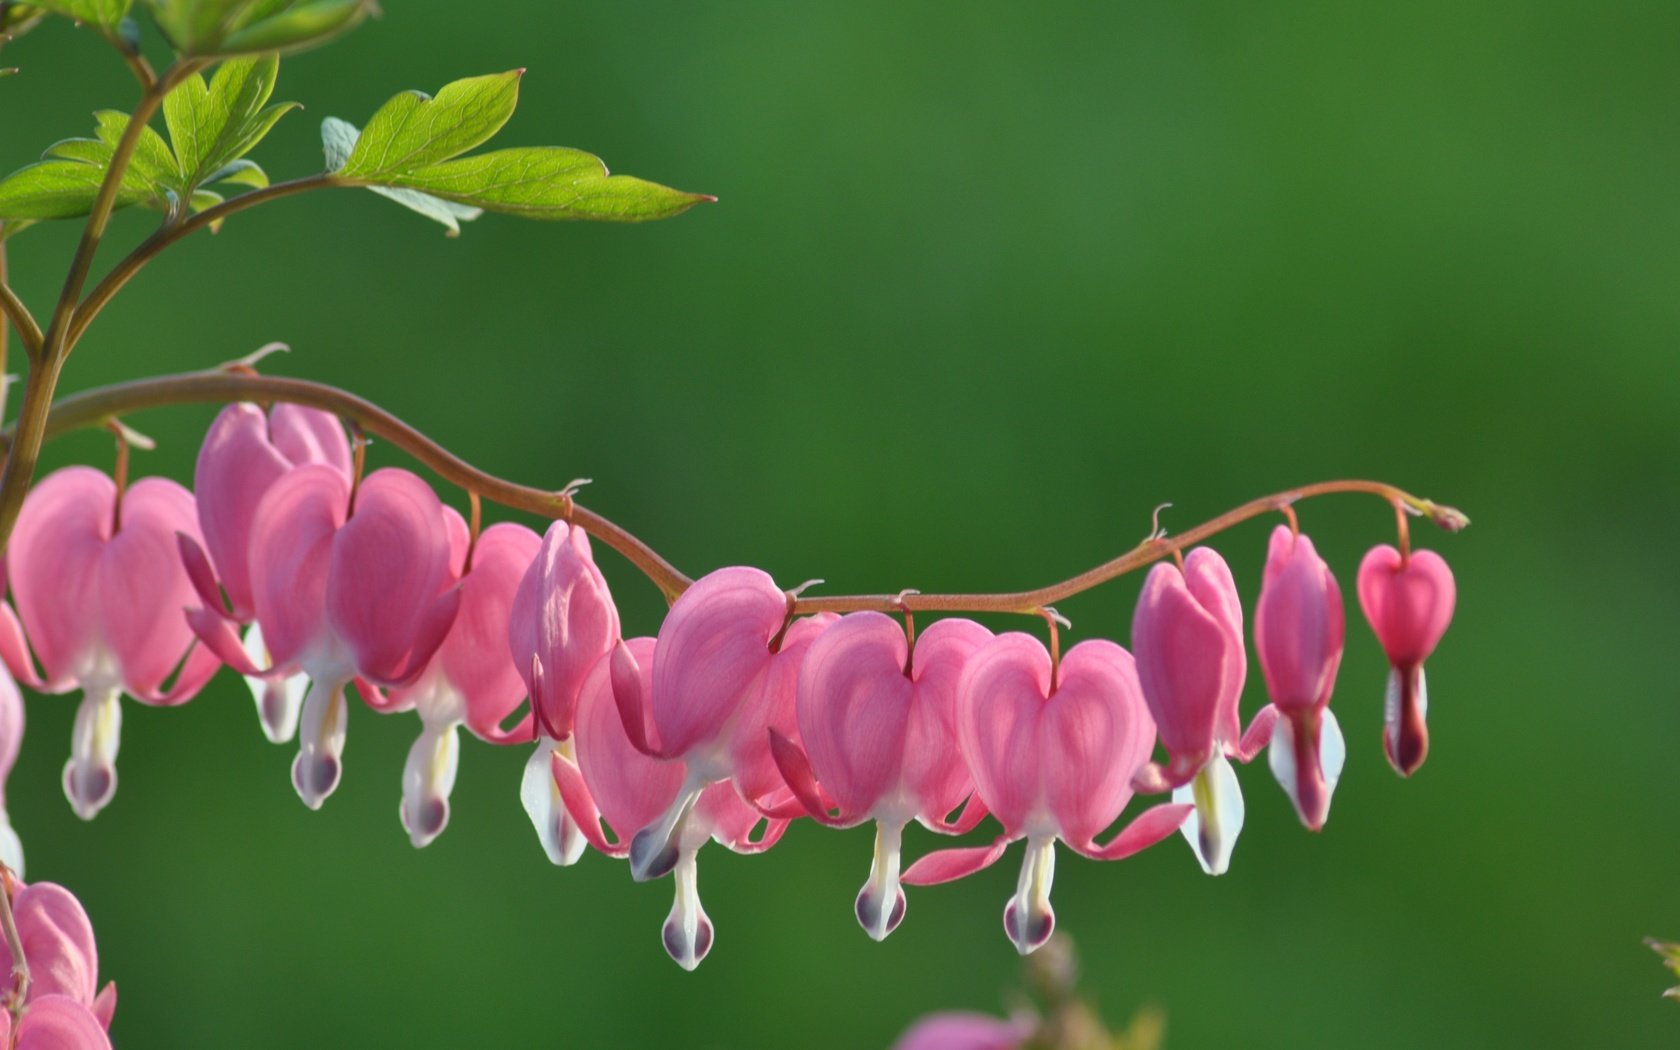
987,282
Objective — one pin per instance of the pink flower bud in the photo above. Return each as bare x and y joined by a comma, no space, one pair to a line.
563,620
1409,602
1298,631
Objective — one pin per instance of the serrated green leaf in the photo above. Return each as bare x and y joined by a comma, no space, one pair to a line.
549,182
152,160
413,131
338,141
103,13
208,28
58,189
212,124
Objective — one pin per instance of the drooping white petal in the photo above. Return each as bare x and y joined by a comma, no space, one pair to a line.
657,848
428,778
279,698
880,904
1332,749
90,777
559,834
688,931
1213,828
1028,918
1332,755
319,761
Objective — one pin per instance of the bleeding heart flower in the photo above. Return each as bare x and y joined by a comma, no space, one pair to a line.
613,781
964,1031
99,591
1298,630
471,679
879,731
54,1022
1409,602
366,595
1187,635
725,673
59,947
562,623
1053,752
244,453
11,738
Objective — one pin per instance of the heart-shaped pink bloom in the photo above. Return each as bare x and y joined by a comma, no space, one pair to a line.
99,595
1298,633
963,1031
11,738
368,596
725,673
1187,635
562,623
1409,602
59,947
471,678
54,1022
245,451
879,733
1051,760
611,780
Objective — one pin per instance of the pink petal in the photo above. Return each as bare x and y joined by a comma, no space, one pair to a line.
144,586
962,1031
853,705
11,729
933,768
1211,583
562,614
574,793
236,465
53,559
998,701
309,435
1150,827
291,552
218,635
730,821
105,1004
1258,735
57,941
772,705
1096,732
1298,624
630,688
947,865
56,1022
1184,662
795,768
14,650
389,568
713,648
1409,604
630,788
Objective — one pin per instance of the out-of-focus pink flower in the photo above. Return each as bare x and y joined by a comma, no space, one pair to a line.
64,997
563,621
245,451
471,679
725,674
879,733
1298,633
342,596
614,782
956,1030
1187,636
1409,602
11,738
1051,760
99,591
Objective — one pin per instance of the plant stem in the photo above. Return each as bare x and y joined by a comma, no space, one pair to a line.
97,407
148,249
14,943
18,314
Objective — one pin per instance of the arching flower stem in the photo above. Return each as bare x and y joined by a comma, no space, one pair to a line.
217,386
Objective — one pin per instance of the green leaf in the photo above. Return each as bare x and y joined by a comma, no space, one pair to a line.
214,124
413,131
152,160
338,141
58,189
549,182
103,13
241,173
208,28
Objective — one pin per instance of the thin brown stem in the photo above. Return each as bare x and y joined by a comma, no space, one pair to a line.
149,248
18,314
95,407
132,58
14,943
1404,530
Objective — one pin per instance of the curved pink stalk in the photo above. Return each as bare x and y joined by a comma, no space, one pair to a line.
1051,763
471,678
99,592
1409,603
1298,633
880,732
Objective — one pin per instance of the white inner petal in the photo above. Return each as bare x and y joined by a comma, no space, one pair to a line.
90,777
